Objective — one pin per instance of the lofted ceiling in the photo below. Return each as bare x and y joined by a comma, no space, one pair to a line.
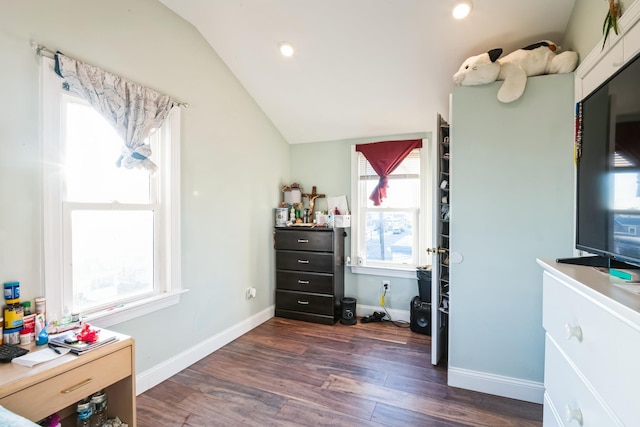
361,68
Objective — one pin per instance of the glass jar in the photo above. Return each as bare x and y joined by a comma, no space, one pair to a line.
99,401
84,413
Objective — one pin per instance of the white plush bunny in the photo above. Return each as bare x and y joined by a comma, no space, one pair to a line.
533,60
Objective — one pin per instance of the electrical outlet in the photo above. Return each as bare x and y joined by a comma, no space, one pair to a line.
251,293
386,284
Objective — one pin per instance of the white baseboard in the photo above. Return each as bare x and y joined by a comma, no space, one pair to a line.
513,388
157,374
366,310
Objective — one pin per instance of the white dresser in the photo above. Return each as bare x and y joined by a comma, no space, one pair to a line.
592,352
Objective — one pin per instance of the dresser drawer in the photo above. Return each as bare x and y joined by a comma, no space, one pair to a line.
304,261
45,398
299,240
607,351
320,283
567,392
305,302
550,417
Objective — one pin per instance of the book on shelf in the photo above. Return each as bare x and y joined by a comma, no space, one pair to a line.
71,341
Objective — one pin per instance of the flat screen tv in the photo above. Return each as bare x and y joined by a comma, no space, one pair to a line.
608,169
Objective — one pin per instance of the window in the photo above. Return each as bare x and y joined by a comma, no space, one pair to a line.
112,234
390,236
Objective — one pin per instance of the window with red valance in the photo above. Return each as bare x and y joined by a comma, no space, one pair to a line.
384,158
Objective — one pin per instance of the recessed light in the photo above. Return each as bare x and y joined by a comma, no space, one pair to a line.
462,9
286,49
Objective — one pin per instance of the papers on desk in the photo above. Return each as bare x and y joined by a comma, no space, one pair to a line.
8,418
69,340
40,356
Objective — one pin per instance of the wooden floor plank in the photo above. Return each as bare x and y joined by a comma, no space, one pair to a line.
292,373
424,386
292,388
444,409
388,415
312,415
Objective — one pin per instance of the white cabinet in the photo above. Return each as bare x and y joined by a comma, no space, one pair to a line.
632,42
591,349
610,62
601,63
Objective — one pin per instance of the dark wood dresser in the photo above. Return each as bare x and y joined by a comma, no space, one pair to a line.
309,273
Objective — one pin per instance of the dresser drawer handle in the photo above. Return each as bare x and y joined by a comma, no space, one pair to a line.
303,261
303,282
571,414
573,331
77,386
303,302
303,240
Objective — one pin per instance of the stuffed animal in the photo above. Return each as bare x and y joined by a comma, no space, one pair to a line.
534,60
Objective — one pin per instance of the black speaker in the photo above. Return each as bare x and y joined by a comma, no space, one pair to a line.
348,311
420,316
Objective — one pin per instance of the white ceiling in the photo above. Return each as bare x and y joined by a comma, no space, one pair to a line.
362,68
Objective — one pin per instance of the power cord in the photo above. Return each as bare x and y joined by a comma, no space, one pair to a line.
398,323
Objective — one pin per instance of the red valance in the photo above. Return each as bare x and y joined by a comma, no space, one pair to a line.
384,158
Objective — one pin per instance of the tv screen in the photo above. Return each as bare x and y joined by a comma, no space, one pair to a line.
608,171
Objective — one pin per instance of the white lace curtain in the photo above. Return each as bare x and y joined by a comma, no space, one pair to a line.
133,110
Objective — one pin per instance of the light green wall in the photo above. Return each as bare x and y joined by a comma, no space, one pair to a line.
584,31
233,159
327,165
511,202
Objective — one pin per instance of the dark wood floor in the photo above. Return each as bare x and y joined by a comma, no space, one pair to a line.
291,373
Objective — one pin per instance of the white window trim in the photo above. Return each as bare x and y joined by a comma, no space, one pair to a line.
52,218
424,219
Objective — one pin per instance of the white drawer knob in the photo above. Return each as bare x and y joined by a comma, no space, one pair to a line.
573,331
571,414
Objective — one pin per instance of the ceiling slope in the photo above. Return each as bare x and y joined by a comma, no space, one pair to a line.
362,67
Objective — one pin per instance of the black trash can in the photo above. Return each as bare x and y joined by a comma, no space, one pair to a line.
424,283
348,316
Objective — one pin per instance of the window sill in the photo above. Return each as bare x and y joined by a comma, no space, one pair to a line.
114,315
404,273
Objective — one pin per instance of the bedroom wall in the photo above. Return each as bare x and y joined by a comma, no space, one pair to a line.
502,219
327,165
227,196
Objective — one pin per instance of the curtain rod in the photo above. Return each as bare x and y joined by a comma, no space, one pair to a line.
44,51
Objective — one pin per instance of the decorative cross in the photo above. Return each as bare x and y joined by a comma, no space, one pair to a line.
312,201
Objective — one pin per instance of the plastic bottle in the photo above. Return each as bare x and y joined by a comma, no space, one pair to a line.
12,292
99,401
42,337
40,304
84,413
